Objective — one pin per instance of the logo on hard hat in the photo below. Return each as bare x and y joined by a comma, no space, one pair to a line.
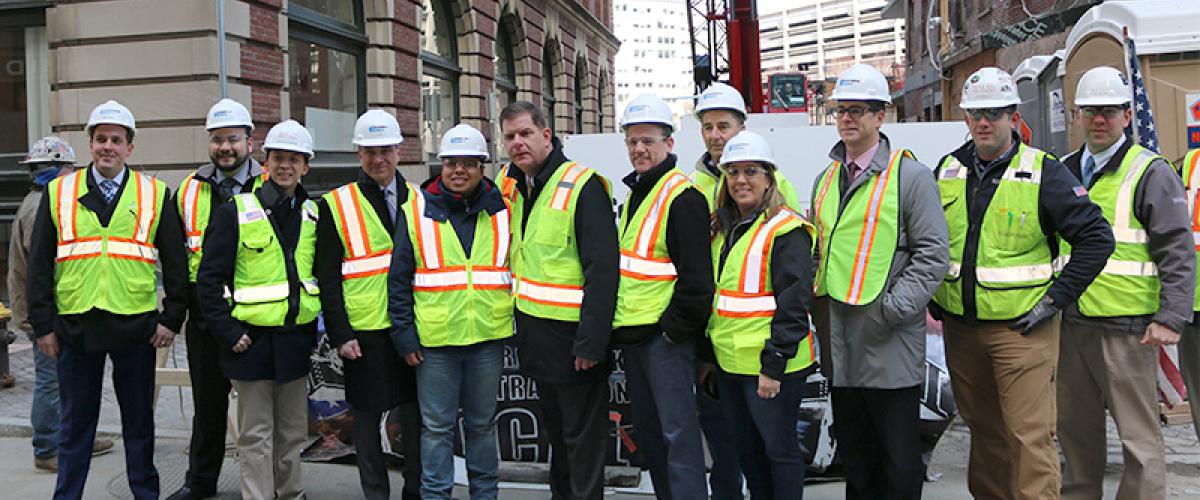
375,129
739,147
849,81
712,95
221,113
638,107
458,140
110,112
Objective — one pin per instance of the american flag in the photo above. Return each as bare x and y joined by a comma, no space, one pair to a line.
1143,117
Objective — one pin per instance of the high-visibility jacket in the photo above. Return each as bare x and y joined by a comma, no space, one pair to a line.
107,268
366,255
745,301
1191,181
708,184
545,251
1128,285
858,240
647,274
261,289
195,208
1013,263
460,300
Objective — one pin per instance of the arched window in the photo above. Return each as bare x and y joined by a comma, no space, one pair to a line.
506,65
601,102
327,69
548,71
439,76
580,74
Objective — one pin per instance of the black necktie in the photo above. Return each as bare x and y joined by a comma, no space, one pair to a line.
228,188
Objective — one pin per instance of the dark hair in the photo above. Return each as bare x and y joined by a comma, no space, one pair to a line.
91,131
268,154
737,115
512,111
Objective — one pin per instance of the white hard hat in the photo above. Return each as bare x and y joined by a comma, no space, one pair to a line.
747,146
290,136
989,88
50,149
648,108
862,82
463,140
111,113
720,96
377,127
228,113
1102,86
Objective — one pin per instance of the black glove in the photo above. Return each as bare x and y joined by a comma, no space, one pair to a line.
1044,310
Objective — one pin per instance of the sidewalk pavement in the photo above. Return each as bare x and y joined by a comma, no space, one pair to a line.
335,481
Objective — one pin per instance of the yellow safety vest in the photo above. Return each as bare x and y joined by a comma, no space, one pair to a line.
107,268
460,300
647,274
261,290
745,301
194,202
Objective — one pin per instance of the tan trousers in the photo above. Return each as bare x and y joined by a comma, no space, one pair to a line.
1100,368
273,419
1004,387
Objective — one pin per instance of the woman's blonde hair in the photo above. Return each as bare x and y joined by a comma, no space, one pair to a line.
771,204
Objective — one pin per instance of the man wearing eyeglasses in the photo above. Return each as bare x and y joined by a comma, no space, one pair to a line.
231,171
1141,300
1006,204
882,251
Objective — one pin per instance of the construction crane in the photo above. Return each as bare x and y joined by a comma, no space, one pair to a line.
724,38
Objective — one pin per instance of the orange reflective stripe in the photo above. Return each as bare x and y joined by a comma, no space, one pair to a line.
648,235
866,239
826,183
500,237
550,294
733,304
428,235
81,248
350,214
147,201
562,192
367,265
191,211
70,186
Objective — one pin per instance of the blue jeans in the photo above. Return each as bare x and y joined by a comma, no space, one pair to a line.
765,429
450,374
44,414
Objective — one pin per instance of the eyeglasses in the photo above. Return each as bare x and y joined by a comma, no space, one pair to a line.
1108,112
232,139
465,164
855,112
632,142
992,114
734,172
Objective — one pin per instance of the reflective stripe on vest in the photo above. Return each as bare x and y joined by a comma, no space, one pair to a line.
138,248
744,304
1191,181
359,259
432,274
870,220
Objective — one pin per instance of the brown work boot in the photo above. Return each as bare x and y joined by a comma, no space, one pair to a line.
101,446
46,464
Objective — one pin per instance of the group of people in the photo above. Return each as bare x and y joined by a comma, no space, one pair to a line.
1055,282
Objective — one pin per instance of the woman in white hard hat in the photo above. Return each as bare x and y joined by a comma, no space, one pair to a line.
759,328
259,251
451,326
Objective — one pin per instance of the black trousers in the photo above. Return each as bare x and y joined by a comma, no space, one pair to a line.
210,398
576,420
372,465
880,432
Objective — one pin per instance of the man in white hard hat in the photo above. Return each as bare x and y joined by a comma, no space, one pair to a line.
1006,204
566,294
1141,300
48,159
259,299
354,244
663,301
231,171
460,222
93,294
882,250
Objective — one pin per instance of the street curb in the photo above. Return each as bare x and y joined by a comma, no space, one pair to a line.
20,427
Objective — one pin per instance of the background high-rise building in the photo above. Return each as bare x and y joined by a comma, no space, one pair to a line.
655,54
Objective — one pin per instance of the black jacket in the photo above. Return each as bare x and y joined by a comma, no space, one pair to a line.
276,353
792,282
1160,205
101,330
1062,209
441,205
688,228
547,348
330,250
